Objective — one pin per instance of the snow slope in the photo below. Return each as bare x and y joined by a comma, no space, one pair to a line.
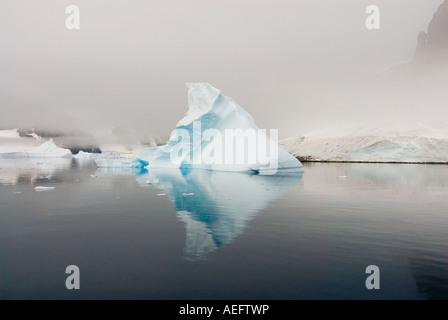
400,143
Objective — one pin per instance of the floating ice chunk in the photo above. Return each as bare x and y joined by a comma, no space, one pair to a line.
188,194
49,150
40,188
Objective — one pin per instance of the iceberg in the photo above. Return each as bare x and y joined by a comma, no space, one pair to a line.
217,134
49,150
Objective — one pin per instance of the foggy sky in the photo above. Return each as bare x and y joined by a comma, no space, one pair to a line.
294,65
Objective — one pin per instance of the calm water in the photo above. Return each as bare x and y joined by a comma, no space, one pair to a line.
203,235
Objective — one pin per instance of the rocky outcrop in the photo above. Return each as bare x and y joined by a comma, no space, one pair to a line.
432,46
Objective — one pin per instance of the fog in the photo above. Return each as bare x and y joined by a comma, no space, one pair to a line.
296,66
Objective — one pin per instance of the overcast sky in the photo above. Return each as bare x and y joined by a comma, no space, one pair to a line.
291,64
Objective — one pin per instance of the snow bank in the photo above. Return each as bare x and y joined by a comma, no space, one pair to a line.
416,143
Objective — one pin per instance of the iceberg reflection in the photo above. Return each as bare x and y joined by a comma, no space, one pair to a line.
216,206
32,170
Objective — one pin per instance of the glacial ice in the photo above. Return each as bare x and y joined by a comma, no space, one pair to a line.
395,143
49,149
210,109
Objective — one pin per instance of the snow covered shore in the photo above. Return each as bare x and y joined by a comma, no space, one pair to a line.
410,143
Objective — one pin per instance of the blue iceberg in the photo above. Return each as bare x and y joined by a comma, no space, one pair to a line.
217,134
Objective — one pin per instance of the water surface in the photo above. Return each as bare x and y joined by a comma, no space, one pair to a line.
167,234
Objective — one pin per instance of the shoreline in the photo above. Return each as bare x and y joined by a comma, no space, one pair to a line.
358,161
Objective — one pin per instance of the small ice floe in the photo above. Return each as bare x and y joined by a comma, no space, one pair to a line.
93,176
39,189
188,194
17,192
155,181
343,177
161,194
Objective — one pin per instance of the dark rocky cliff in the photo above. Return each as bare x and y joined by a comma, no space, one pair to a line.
432,46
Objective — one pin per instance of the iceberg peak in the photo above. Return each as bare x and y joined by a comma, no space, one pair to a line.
201,99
